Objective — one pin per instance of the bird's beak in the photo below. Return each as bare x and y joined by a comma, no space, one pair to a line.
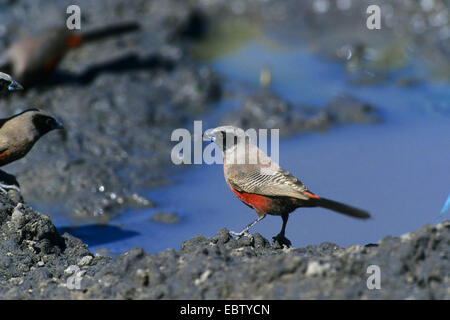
15,86
59,125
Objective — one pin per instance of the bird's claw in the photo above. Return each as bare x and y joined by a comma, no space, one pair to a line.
281,240
241,234
5,187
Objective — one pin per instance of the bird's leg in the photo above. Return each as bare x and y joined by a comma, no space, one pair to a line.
245,232
280,238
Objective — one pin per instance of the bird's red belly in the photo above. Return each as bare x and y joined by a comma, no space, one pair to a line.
260,203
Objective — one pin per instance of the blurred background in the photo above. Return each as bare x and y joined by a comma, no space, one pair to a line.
364,115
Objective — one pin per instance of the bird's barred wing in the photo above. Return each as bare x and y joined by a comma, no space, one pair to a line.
268,183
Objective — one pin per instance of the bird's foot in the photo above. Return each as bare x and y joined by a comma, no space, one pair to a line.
243,233
280,241
12,191
5,187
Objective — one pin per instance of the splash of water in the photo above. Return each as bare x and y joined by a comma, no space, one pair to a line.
446,206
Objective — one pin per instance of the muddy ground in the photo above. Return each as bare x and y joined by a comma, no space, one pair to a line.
119,101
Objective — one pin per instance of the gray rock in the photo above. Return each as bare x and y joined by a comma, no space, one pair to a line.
165,217
33,255
85,261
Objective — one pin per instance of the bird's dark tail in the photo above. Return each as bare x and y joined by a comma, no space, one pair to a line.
341,208
116,29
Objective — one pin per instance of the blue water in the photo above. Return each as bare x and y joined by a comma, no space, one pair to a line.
398,169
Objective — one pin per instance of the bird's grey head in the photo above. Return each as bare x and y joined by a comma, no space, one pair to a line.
226,136
8,83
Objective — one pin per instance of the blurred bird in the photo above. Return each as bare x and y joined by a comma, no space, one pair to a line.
263,185
34,58
20,132
7,84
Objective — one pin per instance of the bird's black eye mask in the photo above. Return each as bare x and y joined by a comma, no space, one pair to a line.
45,123
4,84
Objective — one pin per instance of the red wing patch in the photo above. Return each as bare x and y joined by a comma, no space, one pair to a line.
312,195
73,41
51,63
4,157
4,153
261,204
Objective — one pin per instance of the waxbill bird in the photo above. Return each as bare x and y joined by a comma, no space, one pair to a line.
7,84
20,132
263,185
33,58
